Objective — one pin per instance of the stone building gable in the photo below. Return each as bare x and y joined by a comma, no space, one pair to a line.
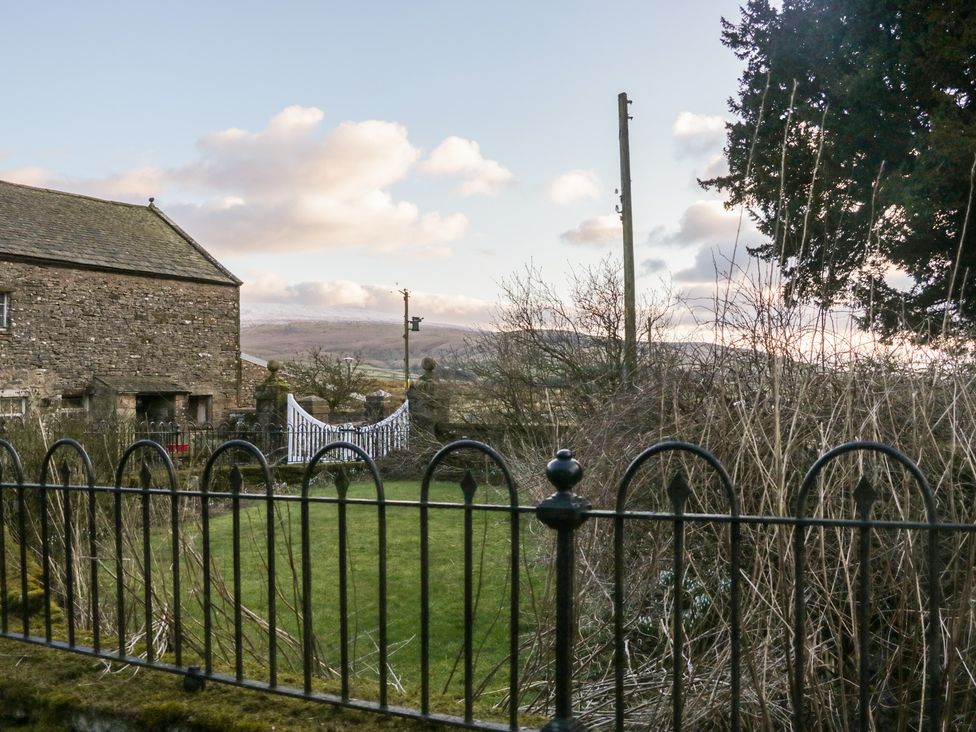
38,224
112,303
72,325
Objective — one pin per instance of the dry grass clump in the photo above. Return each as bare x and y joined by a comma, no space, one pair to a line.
779,388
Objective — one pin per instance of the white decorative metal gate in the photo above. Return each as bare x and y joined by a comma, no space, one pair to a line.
307,435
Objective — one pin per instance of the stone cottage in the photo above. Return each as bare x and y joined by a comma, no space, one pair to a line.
109,309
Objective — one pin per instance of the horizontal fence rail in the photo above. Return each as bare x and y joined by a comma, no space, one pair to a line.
140,572
295,442
187,441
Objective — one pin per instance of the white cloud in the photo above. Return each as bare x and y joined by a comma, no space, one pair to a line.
698,133
709,233
707,220
716,166
704,222
653,266
135,185
574,187
598,231
720,261
290,156
293,186
295,189
139,183
29,176
314,222
348,297
456,156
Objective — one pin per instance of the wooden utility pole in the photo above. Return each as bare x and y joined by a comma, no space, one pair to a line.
626,217
409,324
406,338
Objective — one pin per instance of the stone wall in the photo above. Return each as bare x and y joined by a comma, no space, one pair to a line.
252,375
68,325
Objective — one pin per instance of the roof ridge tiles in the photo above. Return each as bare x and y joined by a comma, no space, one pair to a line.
71,194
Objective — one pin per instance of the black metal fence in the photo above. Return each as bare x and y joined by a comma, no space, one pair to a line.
58,523
197,441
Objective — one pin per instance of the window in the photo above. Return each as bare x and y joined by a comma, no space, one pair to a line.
200,407
12,405
74,403
4,310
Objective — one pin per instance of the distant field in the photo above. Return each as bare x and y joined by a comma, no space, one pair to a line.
378,344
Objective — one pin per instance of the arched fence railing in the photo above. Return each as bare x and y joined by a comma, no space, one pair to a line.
308,435
234,581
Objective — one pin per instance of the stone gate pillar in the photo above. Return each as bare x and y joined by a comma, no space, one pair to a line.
429,401
271,397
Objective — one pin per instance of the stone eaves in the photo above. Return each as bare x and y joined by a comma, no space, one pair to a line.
141,385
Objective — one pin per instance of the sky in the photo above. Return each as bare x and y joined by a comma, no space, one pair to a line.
331,154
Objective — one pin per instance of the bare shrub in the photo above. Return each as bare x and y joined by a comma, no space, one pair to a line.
780,387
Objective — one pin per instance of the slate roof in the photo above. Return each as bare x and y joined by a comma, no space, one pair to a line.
41,224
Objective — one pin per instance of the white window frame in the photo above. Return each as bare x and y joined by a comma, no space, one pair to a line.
4,310
9,396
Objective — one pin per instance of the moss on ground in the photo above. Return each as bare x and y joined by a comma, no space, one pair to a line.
45,689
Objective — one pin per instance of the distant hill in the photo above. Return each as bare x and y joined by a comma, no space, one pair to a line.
378,344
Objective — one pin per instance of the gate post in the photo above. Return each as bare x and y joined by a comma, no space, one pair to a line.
564,512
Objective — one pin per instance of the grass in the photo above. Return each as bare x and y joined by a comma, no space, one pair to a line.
45,689
491,585
48,689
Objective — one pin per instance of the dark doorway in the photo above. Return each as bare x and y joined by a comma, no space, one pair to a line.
155,408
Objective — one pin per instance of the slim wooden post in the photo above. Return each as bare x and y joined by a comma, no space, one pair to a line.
406,338
626,217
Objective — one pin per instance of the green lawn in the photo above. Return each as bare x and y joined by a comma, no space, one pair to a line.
81,684
492,551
